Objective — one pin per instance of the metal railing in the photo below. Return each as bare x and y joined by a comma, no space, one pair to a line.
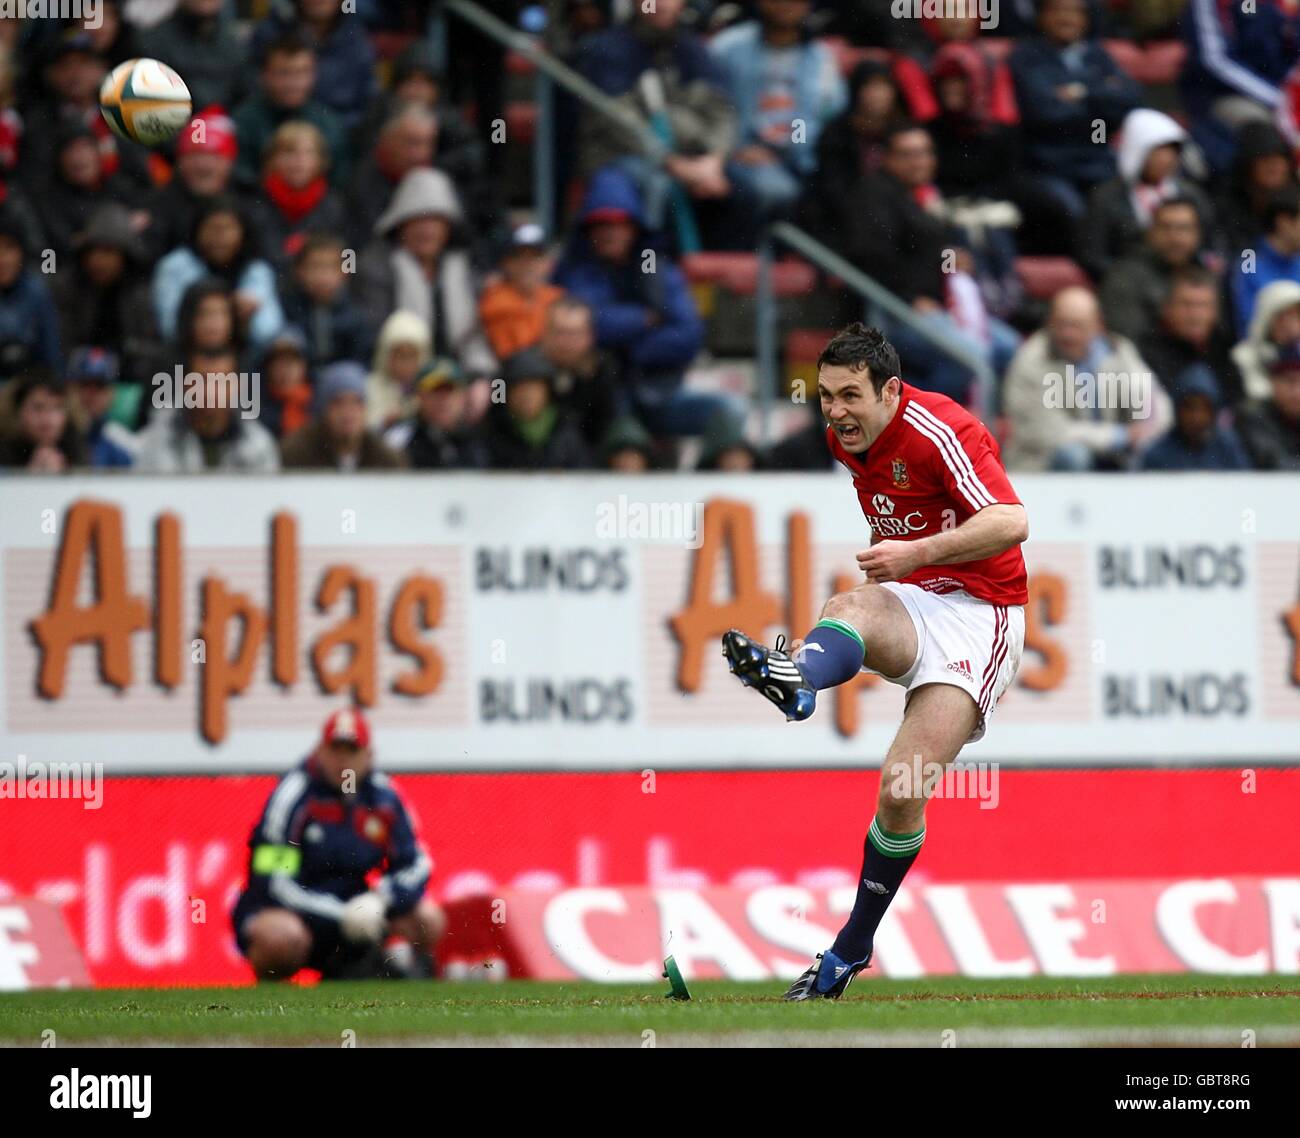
552,72
878,299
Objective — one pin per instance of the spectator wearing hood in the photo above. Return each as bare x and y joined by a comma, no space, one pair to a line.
973,134
29,320
647,319
417,263
1135,287
1274,327
438,434
1120,210
345,59
528,431
286,374
777,75
318,299
337,438
296,198
79,184
93,393
627,447
1270,427
513,307
1191,333
1066,83
200,41
1262,165
42,437
205,162
1237,59
221,245
103,297
212,435
725,448
286,79
1275,255
403,347
1196,441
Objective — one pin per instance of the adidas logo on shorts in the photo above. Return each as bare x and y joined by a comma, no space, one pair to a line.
962,668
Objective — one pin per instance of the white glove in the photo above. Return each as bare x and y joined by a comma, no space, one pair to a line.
364,919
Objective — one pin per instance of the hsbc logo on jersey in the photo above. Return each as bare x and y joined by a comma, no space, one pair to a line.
886,525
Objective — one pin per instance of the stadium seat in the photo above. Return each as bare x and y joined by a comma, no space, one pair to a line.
997,46
389,45
1128,57
1162,62
738,273
517,64
521,122
1044,277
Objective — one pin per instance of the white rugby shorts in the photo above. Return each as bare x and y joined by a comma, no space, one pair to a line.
962,641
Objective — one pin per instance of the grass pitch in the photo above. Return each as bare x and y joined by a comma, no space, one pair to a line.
1196,1010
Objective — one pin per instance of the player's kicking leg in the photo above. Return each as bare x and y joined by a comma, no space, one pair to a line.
867,624
938,721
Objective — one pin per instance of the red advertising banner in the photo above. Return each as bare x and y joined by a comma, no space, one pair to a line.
36,948
146,873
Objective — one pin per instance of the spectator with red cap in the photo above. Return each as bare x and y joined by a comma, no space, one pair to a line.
336,869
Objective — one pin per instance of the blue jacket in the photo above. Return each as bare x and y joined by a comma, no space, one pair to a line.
614,59
345,61
1171,452
312,849
1057,132
1270,266
622,296
819,92
29,327
183,267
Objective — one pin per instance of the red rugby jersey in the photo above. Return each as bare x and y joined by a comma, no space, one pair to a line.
932,468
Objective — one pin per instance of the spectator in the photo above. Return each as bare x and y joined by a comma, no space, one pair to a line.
1191,332
208,320
513,308
103,297
1135,288
338,438
1120,211
588,382
648,319
1196,441
1066,429
1270,428
1237,57
205,161
438,436
852,146
286,79
1065,84
287,384
29,321
200,42
417,263
665,75
214,434
1274,327
403,347
1275,256
1262,165
627,447
975,148
785,87
93,390
220,245
296,198
406,142
725,447
79,184
528,431
42,439
319,301
345,59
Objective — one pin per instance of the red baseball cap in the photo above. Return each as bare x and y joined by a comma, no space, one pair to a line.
216,135
347,725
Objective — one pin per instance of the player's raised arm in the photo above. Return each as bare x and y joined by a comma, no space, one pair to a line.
985,534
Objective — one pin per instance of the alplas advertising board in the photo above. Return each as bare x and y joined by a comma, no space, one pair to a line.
573,622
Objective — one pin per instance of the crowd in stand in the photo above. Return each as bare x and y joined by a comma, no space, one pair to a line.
336,221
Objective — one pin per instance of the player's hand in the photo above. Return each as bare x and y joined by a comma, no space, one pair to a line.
890,561
364,919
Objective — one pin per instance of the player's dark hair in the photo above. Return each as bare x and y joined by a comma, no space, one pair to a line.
858,347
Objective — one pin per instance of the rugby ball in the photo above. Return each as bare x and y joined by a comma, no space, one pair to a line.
145,101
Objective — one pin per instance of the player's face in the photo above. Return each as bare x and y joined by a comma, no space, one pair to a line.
851,406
